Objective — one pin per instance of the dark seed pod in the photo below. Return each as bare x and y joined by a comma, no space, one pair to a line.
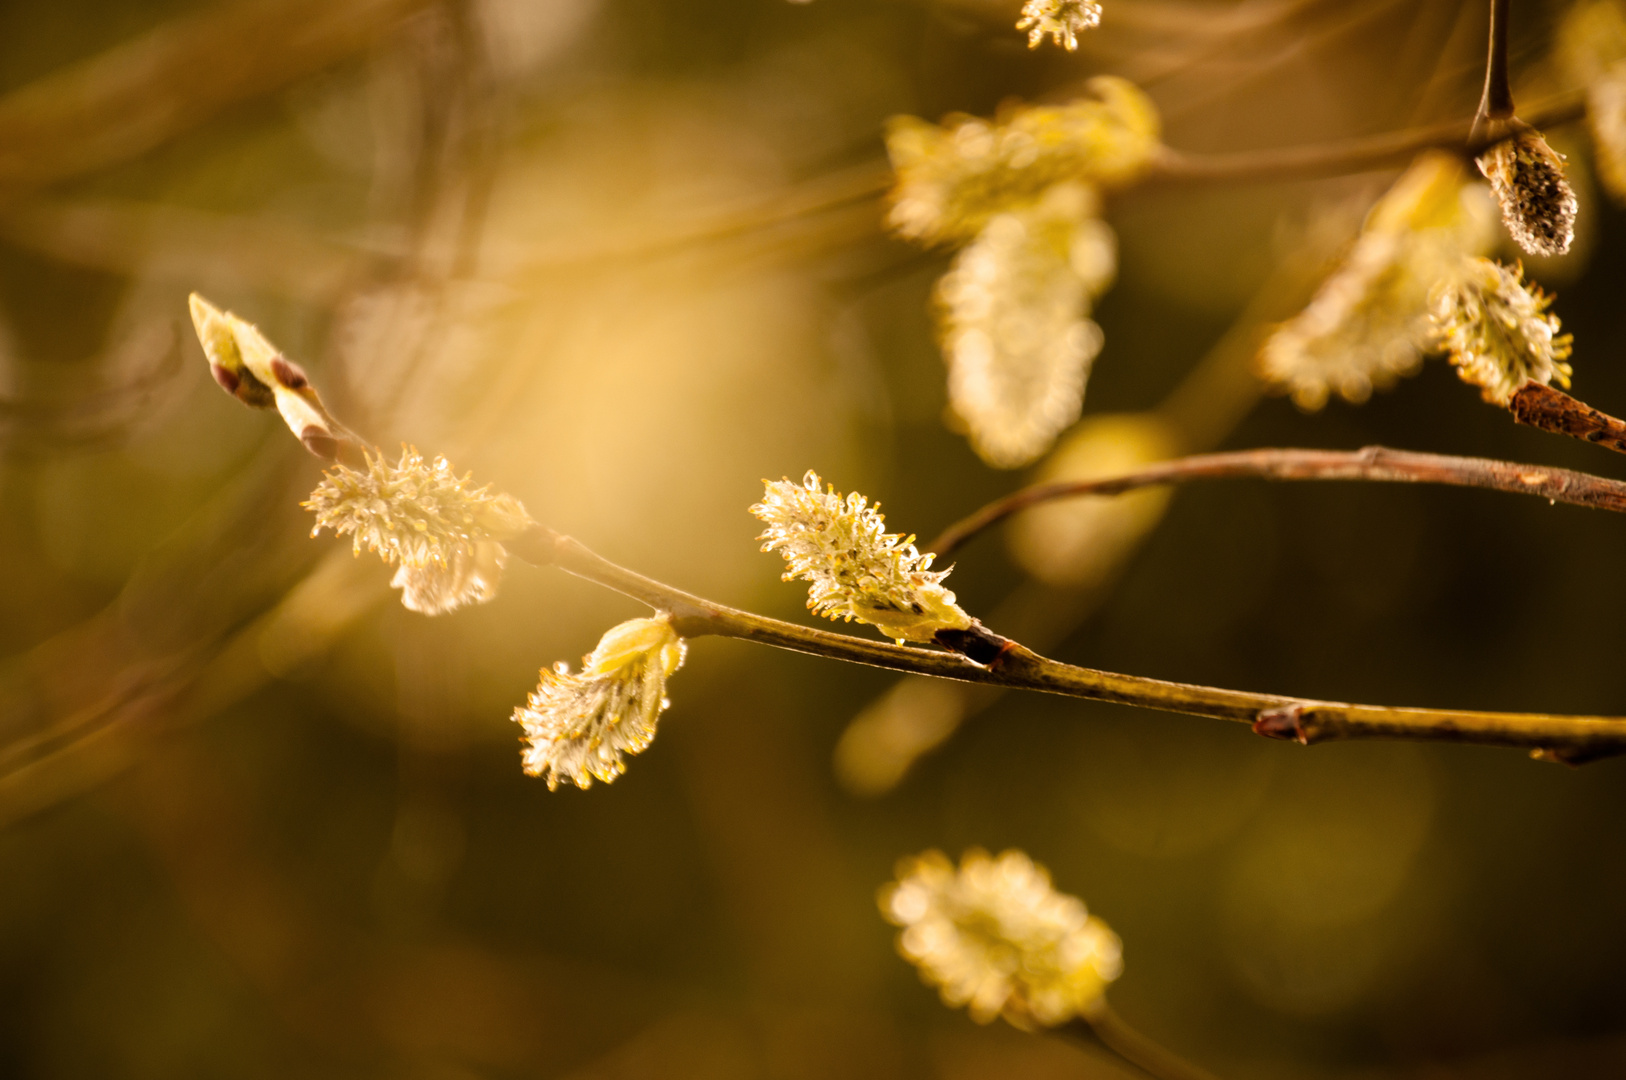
1538,206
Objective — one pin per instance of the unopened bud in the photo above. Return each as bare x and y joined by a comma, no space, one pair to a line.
226,363
253,371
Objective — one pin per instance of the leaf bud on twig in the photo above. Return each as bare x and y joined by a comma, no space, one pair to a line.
252,370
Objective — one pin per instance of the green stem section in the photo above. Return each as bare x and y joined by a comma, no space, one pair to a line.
1572,739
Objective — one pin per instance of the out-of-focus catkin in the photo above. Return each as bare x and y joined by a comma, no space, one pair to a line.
1367,324
994,936
1013,316
951,178
1063,20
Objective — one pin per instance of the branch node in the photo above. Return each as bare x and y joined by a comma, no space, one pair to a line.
1284,722
537,545
319,442
976,643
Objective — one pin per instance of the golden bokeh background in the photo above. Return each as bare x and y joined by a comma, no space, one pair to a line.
624,259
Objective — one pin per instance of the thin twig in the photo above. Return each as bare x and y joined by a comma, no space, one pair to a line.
144,92
1145,1054
1573,739
1348,155
979,655
128,237
821,195
1497,101
1377,463
863,183
1553,410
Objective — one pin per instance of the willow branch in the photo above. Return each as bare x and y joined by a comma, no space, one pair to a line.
1573,739
1376,463
864,183
975,654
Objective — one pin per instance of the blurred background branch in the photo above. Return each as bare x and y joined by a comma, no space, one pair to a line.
147,91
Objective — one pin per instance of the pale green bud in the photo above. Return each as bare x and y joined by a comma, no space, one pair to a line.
252,370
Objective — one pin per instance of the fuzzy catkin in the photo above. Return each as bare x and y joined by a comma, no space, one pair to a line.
445,534
1497,331
855,569
1013,315
994,936
1367,324
1063,20
1538,205
582,726
952,178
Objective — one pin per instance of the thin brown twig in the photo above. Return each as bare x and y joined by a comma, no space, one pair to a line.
1171,166
1573,739
1348,155
979,655
1377,463
1552,410
1140,1051
820,195
1497,101
865,182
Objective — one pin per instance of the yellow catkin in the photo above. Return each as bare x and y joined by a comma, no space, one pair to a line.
994,936
581,726
855,569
